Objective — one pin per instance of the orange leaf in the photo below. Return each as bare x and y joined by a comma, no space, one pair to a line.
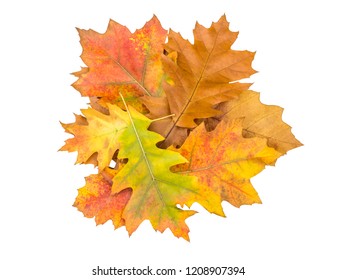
225,161
79,120
95,199
122,62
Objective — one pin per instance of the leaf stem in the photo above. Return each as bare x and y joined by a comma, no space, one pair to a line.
162,118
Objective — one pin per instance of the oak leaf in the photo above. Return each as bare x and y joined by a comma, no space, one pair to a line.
204,74
121,62
95,199
96,135
225,161
156,190
79,120
260,120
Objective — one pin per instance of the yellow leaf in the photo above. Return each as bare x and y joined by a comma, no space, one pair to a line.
97,134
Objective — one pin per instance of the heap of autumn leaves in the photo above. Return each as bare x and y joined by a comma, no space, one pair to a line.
177,122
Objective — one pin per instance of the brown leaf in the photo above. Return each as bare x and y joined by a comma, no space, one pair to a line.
259,120
204,74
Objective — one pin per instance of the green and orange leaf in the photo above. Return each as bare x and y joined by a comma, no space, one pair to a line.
156,190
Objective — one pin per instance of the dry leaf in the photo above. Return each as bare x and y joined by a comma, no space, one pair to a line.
204,74
259,120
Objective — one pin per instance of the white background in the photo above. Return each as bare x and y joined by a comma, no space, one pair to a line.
292,235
